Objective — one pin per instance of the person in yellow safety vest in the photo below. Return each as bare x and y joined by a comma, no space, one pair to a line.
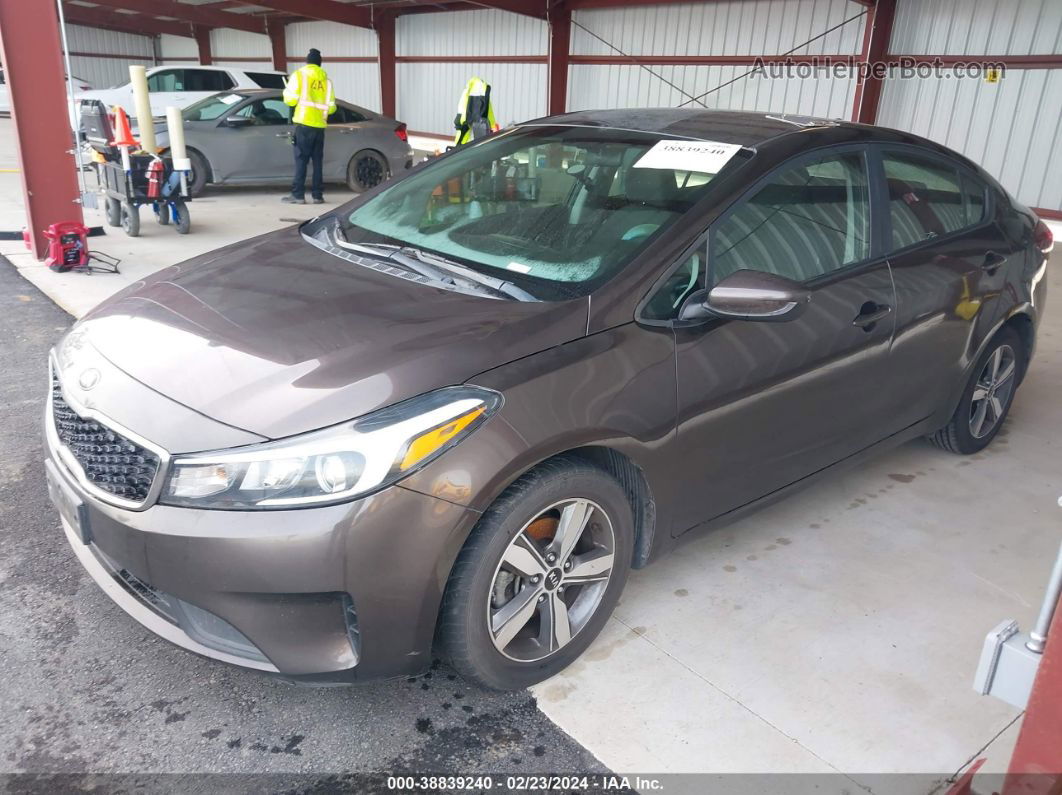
310,92
475,114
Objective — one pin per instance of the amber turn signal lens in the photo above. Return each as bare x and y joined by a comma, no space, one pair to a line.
430,441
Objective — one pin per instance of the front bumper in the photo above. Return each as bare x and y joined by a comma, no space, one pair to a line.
339,593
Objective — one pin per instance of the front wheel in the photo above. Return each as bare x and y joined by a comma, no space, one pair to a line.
987,397
538,577
366,170
182,218
131,219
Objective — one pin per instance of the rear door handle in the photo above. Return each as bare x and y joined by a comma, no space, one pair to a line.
869,314
993,261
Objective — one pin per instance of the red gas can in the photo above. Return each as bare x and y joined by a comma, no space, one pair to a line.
67,246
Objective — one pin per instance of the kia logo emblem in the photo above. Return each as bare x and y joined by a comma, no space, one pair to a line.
89,378
553,579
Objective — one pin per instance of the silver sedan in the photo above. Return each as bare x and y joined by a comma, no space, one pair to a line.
244,137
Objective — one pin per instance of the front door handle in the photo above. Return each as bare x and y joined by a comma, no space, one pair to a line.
993,261
869,314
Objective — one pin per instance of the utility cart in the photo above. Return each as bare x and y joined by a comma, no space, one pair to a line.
150,180
126,193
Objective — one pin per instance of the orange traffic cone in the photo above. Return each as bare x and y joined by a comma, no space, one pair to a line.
123,134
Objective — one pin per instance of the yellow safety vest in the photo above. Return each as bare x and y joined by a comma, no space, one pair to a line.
310,92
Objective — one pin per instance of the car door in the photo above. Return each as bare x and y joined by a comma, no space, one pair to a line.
254,142
948,258
763,404
343,137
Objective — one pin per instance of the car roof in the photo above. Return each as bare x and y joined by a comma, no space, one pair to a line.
726,126
212,68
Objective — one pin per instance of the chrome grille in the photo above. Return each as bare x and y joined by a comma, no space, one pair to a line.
110,461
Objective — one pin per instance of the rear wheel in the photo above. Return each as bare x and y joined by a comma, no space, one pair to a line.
539,576
366,170
987,397
114,211
131,219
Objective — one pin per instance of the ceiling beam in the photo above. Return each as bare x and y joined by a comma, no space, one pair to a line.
327,10
124,23
184,12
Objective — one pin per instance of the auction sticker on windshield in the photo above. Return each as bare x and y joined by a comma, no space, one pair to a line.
707,157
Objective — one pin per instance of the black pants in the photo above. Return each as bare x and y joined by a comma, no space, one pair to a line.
309,145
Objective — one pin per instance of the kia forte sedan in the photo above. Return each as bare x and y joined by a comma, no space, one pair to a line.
454,413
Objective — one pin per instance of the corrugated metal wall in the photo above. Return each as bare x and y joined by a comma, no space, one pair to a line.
229,43
106,72
357,82
427,93
177,47
977,27
1014,127
736,27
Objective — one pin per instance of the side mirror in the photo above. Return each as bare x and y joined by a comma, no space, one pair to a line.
751,295
238,121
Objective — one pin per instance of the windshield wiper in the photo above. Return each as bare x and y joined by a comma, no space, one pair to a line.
394,254
501,286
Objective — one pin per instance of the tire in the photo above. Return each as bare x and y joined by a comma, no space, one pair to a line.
977,420
131,219
197,180
114,211
366,170
162,212
522,525
183,224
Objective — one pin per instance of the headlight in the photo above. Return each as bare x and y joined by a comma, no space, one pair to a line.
335,464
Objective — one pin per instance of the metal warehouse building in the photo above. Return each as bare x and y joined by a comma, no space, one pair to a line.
545,57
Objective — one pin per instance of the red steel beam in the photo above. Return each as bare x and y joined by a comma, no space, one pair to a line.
1036,763
278,44
472,59
124,23
30,50
710,60
876,37
197,15
202,40
560,37
385,33
327,10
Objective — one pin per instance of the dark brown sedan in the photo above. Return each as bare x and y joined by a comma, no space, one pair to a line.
456,411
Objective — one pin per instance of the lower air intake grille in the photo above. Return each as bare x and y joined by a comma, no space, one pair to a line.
110,462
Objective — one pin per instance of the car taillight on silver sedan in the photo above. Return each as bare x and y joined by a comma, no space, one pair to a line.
335,464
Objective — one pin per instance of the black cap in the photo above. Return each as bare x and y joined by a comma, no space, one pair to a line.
314,56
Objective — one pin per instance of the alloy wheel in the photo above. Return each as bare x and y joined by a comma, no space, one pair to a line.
550,580
369,171
992,391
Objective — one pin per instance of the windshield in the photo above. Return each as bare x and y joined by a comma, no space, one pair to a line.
556,210
211,108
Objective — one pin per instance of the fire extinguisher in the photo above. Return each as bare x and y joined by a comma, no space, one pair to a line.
154,178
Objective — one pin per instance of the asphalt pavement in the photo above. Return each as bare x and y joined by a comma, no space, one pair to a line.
85,689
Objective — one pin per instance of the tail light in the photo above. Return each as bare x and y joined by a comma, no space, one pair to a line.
400,131
1045,240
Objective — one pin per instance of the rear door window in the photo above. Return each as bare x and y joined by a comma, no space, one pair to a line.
926,199
267,79
807,220
167,80
205,80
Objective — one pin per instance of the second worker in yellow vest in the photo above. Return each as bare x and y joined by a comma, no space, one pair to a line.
310,92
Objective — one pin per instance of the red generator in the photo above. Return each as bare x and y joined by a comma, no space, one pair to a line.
67,246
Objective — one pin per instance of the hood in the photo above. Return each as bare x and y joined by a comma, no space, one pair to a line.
277,337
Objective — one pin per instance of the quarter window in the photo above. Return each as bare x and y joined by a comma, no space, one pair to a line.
686,280
926,199
807,221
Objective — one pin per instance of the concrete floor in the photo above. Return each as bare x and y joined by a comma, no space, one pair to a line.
835,632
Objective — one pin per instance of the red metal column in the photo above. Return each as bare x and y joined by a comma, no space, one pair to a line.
560,37
202,38
33,65
279,41
385,33
1036,764
879,21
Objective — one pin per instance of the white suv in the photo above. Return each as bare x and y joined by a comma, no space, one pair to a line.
182,85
